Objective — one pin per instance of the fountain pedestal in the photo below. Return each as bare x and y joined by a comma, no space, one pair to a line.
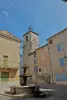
24,76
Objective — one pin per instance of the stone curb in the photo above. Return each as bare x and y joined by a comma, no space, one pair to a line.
6,94
14,96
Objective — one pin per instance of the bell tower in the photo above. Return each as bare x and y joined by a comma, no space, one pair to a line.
30,43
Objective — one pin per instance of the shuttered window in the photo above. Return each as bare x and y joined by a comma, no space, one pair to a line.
61,62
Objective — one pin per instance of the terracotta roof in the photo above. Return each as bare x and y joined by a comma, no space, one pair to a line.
57,33
32,32
6,34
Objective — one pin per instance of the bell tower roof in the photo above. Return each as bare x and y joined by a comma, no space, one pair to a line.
30,30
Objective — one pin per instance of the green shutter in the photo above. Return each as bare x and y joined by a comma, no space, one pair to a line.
4,76
0,76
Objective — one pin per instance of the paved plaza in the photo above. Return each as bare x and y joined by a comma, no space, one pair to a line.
59,94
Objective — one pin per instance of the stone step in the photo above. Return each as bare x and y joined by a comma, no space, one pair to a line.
23,95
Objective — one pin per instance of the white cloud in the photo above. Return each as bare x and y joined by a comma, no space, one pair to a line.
5,12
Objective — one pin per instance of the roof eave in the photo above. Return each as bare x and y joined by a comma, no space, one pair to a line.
32,32
56,34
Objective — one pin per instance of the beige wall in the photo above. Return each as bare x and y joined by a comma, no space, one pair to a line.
43,59
55,55
10,49
43,62
12,74
31,67
34,41
26,50
35,79
31,63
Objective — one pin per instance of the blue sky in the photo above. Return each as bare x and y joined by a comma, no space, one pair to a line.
46,17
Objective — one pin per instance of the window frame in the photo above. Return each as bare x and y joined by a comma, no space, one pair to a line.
27,38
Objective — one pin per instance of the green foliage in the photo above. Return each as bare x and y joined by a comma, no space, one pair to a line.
64,0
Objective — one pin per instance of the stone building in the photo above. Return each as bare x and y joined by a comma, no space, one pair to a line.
9,56
58,55
36,58
30,43
43,63
40,65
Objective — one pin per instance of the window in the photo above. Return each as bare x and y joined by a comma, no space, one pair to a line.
35,54
5,60
60,47
35,61
62,62
26,38
50,41
4,76
39,69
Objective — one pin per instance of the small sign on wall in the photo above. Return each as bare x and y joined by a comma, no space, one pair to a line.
35,68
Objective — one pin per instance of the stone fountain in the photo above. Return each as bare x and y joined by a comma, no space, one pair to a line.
26,90
23,87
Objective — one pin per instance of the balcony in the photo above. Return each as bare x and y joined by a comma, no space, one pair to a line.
9,64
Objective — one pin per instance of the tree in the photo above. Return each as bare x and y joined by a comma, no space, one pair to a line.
64,0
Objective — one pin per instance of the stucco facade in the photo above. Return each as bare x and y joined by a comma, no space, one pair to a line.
58,55
43,59
43,62
9,56
39,64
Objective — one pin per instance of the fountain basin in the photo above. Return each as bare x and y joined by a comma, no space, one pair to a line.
21,89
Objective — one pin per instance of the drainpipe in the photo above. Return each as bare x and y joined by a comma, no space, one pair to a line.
51,65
